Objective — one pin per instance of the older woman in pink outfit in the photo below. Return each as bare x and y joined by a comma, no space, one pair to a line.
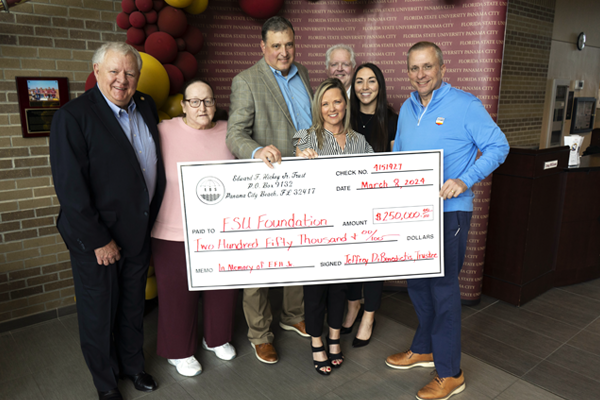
193,137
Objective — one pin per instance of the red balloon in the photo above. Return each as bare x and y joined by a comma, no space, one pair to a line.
180,44
161,46
137,19
151,17
193,39
187,63
123,21
135,35
158,4
173,21
261,9
138,47
144,5
128,6
90,82
150,29
175,78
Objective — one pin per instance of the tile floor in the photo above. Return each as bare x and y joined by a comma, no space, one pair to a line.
548,349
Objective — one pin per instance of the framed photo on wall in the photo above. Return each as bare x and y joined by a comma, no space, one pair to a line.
39,98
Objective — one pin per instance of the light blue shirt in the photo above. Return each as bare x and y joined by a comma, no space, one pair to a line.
296,98
139,136
458,123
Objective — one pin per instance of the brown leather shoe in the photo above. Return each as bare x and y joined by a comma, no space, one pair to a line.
442,388
265,353
299,328
408,360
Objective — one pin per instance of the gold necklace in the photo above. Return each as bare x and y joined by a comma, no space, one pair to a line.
336,134
364,124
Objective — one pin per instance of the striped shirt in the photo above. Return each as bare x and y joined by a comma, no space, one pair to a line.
355,143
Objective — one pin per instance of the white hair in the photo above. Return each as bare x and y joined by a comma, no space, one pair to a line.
340,47
118,47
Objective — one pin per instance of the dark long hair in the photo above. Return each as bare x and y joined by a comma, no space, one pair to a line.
379,136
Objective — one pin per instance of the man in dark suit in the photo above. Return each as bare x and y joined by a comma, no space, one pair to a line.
109,178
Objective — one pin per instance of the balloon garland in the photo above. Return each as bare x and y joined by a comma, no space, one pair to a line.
159,30
261,9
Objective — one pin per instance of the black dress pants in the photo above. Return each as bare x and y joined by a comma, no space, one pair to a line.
372,294
110,311
318,298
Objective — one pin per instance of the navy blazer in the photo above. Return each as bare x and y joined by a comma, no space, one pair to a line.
97,177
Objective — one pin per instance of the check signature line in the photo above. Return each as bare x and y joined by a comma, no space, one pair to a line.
389,262
295,247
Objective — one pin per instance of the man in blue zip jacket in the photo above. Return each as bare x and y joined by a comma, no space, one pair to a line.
438,116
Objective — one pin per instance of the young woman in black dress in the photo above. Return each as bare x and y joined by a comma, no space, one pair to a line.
373,117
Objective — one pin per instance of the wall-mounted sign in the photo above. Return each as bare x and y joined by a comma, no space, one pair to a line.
470,34
584,111
39,99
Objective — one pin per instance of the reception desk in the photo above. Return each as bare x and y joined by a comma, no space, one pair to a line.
578,258
544,225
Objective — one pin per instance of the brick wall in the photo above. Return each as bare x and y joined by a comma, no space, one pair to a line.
40,38
525,69
58,37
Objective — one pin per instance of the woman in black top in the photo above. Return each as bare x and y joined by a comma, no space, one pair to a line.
371,116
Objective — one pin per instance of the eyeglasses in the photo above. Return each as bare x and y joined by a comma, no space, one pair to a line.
195,103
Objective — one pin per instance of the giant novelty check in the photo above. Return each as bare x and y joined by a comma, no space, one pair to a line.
329,219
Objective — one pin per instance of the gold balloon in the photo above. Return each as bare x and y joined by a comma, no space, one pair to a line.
162,116
179,3
154,80
173,105
197,7
151,290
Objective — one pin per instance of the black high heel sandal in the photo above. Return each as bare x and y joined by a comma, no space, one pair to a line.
335,356
361,343
321,364
344,330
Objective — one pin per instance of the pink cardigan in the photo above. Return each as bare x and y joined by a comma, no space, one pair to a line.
180,143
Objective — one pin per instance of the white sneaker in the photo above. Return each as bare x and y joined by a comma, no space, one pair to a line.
225,352
187,366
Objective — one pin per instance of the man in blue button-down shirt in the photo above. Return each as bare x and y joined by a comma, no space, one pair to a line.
109,178
270,101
